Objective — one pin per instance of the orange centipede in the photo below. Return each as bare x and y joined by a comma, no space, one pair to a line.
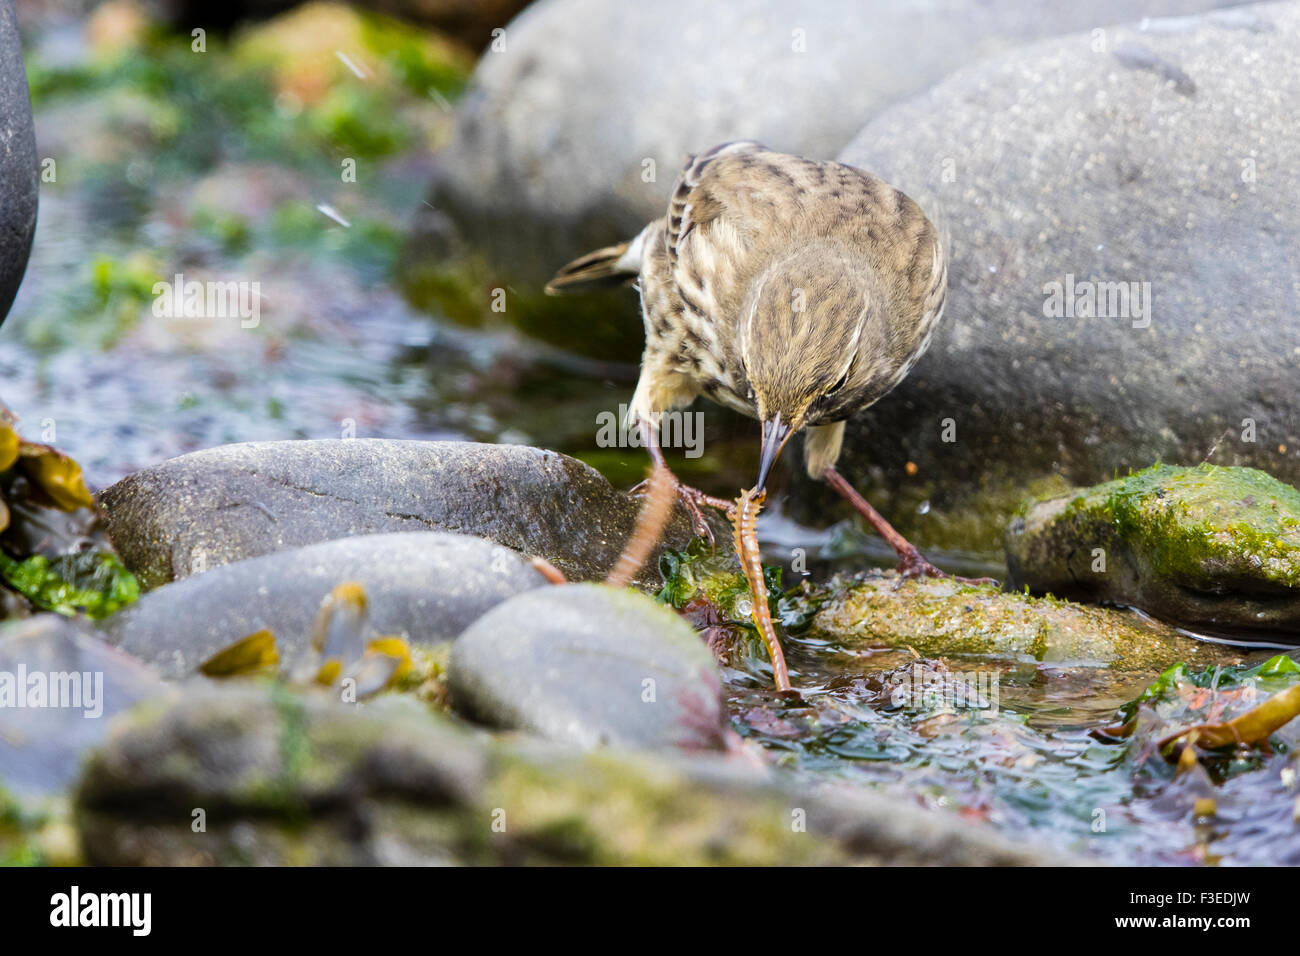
744,519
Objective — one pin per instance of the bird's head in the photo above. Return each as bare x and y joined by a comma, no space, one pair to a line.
809,333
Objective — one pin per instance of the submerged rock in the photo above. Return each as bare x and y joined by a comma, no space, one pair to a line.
1123,285
225,504
1208,547
589,665
939,617
60,688
288,778
426,587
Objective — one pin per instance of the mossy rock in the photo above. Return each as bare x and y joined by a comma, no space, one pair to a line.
284,778
941,617
1215,549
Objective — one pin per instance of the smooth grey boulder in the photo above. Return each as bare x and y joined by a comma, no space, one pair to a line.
424,586
555,138
19,182
60,688
1163,156
590,665
224,504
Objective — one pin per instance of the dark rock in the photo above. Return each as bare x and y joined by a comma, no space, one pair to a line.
19,180
1164,154
1213,549
592,666
424,586
84,683
469,21
222,751
224,504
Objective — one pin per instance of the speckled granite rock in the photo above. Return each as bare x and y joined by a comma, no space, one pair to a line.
212,507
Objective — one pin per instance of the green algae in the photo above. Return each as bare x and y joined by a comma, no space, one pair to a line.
936,617
1207,546
714,576
1191,521
940,617
463,287
595,811
93,583
1276,673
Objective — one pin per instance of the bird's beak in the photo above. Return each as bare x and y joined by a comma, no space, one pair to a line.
775,434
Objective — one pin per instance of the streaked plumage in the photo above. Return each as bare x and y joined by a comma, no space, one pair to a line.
778,285
795,291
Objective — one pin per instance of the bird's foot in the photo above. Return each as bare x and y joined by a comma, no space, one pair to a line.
694,501
913,564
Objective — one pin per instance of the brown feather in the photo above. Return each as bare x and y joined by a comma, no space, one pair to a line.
594,270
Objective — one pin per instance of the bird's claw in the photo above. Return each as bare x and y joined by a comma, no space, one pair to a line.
914,565
698,522
692,499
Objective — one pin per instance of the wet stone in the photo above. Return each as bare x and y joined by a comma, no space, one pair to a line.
426,587
1209,548
590,665
60,688
224,504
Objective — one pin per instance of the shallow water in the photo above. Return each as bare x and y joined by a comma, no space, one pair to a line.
1027,765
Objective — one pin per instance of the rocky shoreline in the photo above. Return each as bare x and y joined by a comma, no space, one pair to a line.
313,649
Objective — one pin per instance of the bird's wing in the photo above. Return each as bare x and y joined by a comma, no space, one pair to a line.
705,188
733,205
891,233
923,262
730,207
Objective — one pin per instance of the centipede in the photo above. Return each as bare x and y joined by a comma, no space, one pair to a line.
744,519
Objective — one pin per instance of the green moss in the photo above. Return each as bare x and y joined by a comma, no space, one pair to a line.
1209,547
463,287
36,834
596,812
17,827
944,618
1184,519
700,572
422,63
458,290
93,582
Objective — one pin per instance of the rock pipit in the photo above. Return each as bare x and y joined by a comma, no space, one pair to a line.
796,292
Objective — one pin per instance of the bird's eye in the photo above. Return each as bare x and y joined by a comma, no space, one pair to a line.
844,380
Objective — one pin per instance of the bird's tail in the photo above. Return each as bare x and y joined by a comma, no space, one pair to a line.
610,266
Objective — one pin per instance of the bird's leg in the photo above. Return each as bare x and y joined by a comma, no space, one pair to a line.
912,563
692,498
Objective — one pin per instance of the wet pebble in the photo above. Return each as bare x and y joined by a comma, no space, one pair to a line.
592,666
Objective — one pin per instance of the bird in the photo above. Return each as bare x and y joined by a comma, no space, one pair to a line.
795,291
